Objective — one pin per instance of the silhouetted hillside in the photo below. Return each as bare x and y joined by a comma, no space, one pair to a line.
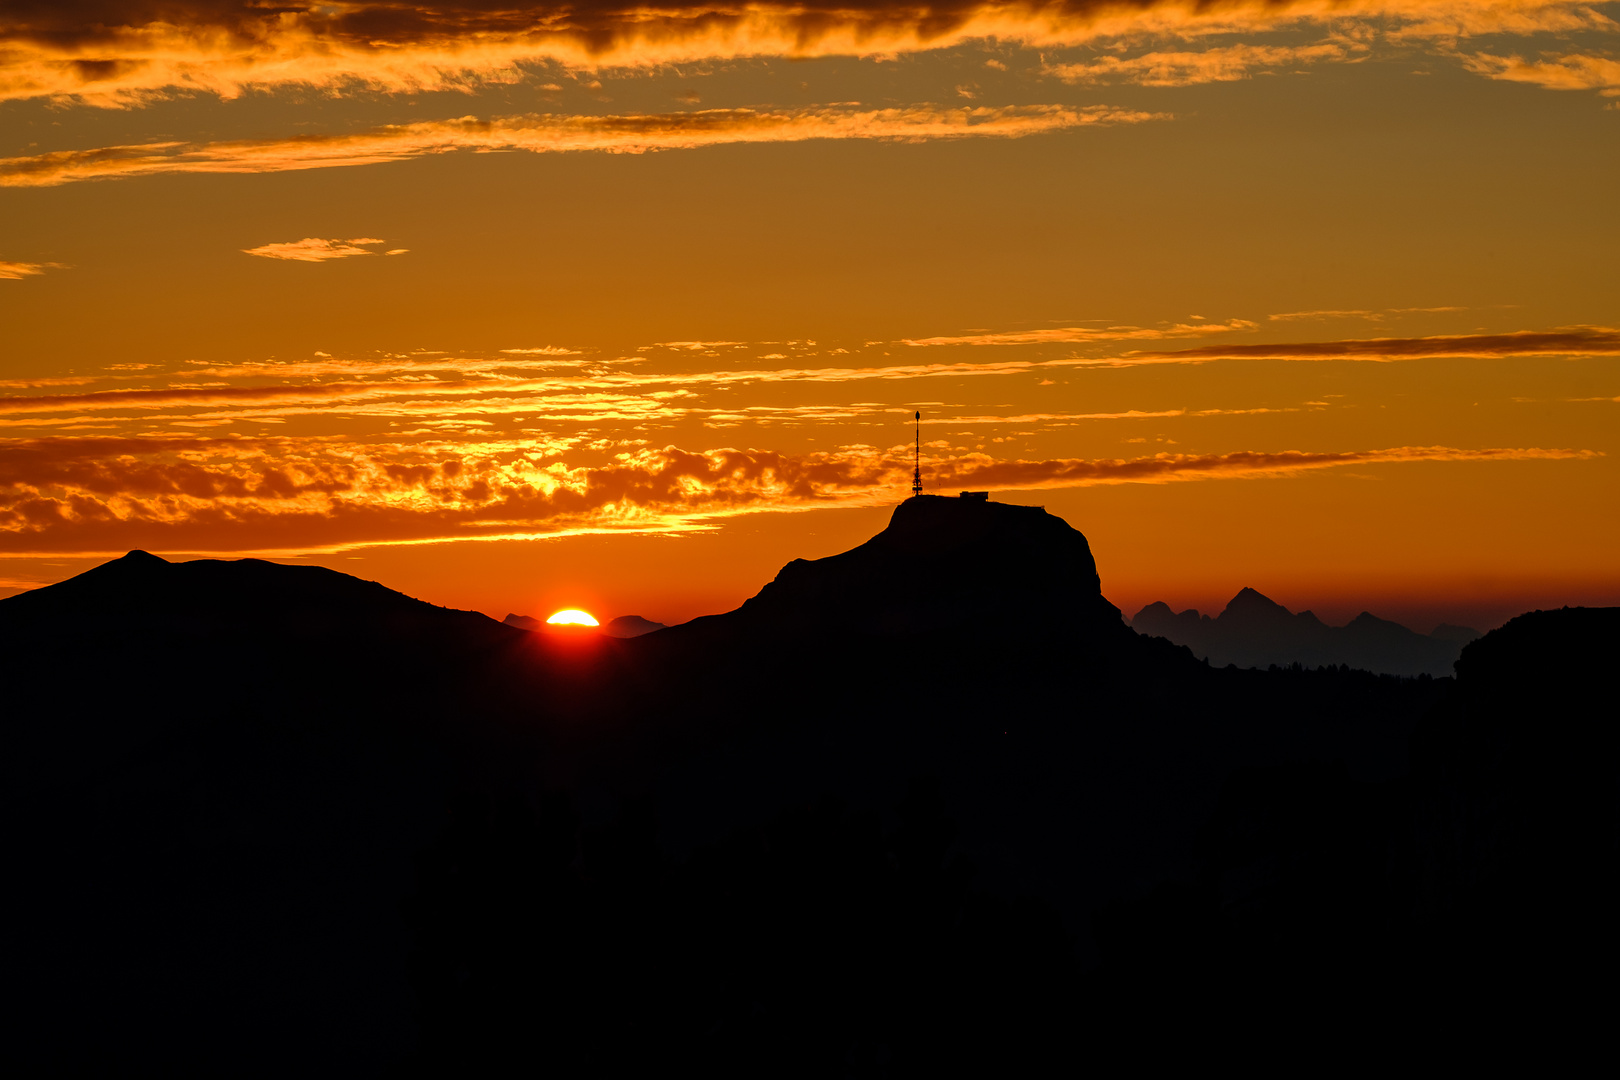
1254,631
945,566
928,805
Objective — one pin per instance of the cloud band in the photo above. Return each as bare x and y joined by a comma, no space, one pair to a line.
554,133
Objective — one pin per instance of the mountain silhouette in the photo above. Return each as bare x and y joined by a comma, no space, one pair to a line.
925,805
622,627
945,565
630,626
1255,631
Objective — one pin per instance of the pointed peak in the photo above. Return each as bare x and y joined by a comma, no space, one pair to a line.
142,558
1252,604
1253,598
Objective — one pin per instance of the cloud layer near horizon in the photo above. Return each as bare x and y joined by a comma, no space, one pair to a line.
98,495
557,383
121,52
554,133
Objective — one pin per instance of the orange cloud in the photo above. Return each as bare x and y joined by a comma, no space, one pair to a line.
448,390
129,51
1574,71
14,271
1184,68
977,469
1077,334
1295,316
551,133
1573,341
107,494
311,249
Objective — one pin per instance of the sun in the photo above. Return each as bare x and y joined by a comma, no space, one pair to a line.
572,617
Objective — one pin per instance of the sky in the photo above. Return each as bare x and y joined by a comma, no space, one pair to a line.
520,307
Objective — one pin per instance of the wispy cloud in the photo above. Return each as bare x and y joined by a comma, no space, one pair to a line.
1572,341
15,271
1082,334
311,249
553,133
1572,71
559,386
1227,63
984,471
1305,316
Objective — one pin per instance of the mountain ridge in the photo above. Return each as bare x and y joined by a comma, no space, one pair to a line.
263,815
1255,631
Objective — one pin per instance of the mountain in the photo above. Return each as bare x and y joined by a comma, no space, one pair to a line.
1255,631
1502,831
947,566
923,805
623,627
630,626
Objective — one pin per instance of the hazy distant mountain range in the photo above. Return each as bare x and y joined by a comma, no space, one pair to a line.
625,626
1255,631
925,807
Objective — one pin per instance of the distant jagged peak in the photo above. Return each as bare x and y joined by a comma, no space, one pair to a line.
1251,603
1156,610
522,622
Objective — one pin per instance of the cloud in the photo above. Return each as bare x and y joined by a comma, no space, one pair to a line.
126,52
552,133
1296,316
1571,341
977,469
95,494
1573,71
1078,334
1220,64
311,249
556,387
14,271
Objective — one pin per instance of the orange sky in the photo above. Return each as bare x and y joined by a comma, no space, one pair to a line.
522,308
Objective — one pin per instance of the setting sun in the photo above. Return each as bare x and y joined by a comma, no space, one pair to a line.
572,617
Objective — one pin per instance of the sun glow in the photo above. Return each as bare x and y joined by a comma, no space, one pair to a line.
572,617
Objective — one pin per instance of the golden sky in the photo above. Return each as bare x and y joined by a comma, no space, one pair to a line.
518,307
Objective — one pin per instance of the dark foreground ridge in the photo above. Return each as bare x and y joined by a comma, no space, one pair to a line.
1256,631
925,806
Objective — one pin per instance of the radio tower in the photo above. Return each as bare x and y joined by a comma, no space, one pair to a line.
916,473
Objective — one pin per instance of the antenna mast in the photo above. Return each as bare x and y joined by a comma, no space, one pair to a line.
916,473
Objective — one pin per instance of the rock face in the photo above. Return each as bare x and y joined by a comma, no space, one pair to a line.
945,566
1255,631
